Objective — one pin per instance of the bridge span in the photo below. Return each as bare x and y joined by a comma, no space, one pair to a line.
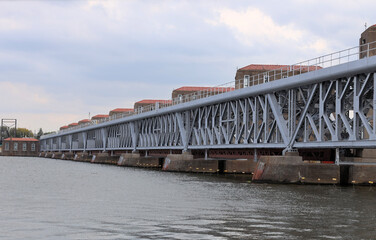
332,107
275,127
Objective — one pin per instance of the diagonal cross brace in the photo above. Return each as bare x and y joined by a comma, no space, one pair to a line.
281,122
302,117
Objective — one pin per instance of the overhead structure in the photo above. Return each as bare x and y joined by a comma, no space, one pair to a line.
6,125
332,106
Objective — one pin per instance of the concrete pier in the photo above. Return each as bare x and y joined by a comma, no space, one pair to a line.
239,166
135,160
288,168
57,155
291,169
363,171
185,163
104,158
82,157
67,156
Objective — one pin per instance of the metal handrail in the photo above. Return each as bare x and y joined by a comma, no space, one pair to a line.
328,60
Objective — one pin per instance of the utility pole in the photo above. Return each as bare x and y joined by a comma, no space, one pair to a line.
6,125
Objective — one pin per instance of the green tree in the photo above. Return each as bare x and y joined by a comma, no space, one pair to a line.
40,133
21,132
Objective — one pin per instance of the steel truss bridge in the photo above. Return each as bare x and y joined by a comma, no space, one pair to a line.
333,107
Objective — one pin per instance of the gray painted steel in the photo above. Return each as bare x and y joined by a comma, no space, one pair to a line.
329,108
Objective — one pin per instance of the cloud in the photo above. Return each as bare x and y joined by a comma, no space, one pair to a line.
254,28
20,97
60,60
7,24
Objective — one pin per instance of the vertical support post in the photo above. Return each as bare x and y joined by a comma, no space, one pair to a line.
374,105
206,154
183,131
84,138
255,157
134,135
104,138
337,157
70,142
356,127
339,89
321,113
59,144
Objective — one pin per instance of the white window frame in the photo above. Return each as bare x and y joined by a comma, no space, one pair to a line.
24,147
15,146
6,147
33,147
246,80
266,77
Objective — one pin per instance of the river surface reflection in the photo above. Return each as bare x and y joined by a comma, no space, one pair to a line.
54,199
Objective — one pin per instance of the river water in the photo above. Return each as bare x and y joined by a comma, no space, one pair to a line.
54,199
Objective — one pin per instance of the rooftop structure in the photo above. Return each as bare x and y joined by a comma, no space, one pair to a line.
63,127
120,111
254,74
192,92
99,116
140,106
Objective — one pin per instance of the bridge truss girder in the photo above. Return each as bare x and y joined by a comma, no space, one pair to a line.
337,112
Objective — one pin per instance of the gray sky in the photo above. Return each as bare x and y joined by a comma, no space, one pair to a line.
60,60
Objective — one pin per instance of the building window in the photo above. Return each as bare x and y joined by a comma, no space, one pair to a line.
180,97
15,146
266,77
24,147
363,41
6,148
246,81
33,147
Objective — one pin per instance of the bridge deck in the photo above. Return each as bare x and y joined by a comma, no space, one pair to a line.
330,107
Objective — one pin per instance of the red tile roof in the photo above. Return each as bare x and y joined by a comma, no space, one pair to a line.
151,101
269,67
72,124
100,116
84,121
196,89
22,139
63,127
120,110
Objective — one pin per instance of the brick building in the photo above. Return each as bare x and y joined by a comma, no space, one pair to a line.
72,125
259,73
188,93
367,41
84,122
20,147
99,118
63,128
119,112
146,104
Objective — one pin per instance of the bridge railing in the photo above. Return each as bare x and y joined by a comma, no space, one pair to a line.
328,60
